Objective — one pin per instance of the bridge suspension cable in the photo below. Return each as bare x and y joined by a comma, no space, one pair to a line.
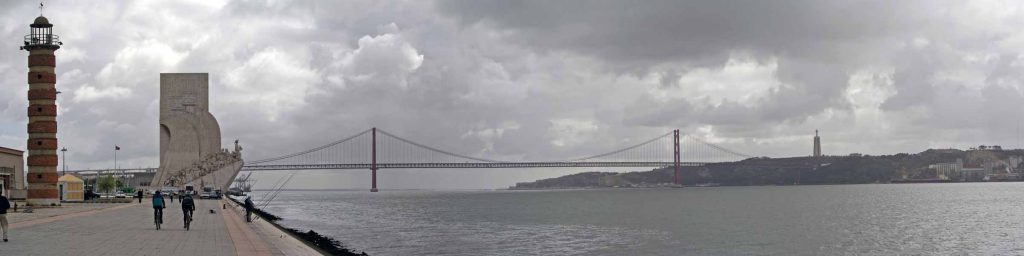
312,150
365,150
406,152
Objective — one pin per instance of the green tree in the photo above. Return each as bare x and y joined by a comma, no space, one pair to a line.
106,183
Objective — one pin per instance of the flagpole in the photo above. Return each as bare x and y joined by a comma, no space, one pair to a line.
116,148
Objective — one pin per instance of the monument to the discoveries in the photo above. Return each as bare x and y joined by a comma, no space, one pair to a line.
41,43
190,151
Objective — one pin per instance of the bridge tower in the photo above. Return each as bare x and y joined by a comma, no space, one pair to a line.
41,44
676,156
373,164
817,144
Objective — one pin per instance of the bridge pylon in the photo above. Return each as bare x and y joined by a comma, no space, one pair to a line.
675,154
373,163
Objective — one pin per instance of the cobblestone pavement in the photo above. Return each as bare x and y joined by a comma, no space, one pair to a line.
123,230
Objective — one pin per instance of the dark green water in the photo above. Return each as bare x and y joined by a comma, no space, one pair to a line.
975,218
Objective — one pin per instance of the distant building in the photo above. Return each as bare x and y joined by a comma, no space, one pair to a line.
136,178
817,144
947,171
970,171
12,173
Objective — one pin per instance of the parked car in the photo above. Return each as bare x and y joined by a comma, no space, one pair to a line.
119,194
207,193
89,195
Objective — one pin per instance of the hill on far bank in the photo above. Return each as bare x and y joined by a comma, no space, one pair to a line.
852,169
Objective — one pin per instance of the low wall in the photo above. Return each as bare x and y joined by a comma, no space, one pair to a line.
17,194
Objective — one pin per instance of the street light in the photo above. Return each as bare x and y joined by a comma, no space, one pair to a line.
64,161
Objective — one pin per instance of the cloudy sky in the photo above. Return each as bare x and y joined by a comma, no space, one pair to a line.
529,80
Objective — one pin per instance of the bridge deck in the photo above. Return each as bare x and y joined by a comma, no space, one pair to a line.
260,167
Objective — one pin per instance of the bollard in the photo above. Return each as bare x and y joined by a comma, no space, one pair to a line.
224,206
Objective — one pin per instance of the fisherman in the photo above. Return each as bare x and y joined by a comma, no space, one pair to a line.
248,209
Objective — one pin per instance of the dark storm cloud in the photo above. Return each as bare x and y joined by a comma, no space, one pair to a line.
529,80
636,35
818,45
818,42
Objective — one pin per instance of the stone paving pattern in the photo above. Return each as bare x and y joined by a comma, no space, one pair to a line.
128,230
68,208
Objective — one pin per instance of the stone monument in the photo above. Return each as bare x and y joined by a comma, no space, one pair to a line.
190,150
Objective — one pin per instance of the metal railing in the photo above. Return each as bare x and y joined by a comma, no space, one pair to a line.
42,40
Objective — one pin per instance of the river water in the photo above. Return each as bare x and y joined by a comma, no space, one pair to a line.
883,219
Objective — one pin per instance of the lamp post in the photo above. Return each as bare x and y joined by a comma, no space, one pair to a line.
116,148
64,160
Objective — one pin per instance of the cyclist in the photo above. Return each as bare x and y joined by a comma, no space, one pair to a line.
158,209
187,208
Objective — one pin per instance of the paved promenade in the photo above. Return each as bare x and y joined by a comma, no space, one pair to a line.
127,229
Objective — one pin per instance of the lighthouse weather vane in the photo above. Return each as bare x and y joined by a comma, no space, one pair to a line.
40,8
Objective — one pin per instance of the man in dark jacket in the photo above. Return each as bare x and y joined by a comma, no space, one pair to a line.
248,209
187,208
139,195
4,205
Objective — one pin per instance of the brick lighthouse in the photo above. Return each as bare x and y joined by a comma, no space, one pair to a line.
41,43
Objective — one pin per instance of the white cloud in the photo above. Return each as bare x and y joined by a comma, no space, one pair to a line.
271,81
570,132
741,80
87,93
385,56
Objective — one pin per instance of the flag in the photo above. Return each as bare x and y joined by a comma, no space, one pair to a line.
116,147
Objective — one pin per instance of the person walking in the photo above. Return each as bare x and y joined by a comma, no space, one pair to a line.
171,195
158,209
248,209
187,207
139,195
4,205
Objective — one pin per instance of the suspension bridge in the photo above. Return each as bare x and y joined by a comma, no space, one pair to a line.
376,149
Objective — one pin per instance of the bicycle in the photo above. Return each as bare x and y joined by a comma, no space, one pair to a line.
158,217
188,219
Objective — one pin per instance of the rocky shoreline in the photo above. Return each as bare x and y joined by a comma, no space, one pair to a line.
324,244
